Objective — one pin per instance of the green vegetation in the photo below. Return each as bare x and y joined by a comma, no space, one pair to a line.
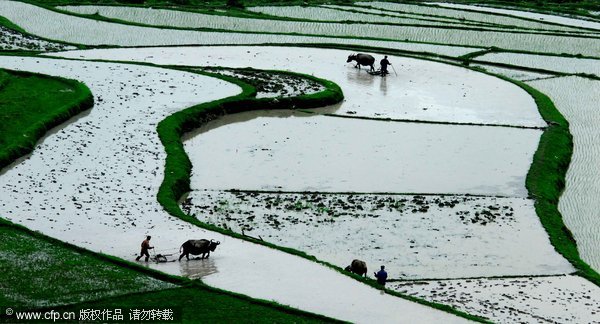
33,104
546,181
36,272
204,305
9,24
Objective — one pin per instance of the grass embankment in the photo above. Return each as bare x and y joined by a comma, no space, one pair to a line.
546,181
30,105
9,24
36,272
194,305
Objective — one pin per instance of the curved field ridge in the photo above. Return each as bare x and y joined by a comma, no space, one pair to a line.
579,202
39,102
120,131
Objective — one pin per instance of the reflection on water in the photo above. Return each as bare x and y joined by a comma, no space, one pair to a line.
250,115
383,86
196,269
360,77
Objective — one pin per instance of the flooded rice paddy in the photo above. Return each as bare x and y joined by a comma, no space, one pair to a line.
556,299
287,151
442,236
422,90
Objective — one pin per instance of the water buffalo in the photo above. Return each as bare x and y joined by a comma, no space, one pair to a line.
362,59
196,247
357,266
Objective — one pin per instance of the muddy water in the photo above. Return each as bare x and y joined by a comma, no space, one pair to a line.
288,151
578,99
559,299
421,90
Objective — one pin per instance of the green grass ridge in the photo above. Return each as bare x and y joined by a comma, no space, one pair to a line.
546,181
35,103
10,25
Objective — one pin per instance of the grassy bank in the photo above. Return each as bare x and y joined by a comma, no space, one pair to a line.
203,305
30,105
36,272
546,181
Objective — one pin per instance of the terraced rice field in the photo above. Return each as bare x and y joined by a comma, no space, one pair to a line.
258,134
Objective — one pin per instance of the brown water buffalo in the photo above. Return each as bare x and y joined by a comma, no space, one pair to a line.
357,266
362,59
196,247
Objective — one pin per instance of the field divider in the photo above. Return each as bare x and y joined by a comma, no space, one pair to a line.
418,121
523,276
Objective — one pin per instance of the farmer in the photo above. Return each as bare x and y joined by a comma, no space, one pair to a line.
384,64
145,247
381,276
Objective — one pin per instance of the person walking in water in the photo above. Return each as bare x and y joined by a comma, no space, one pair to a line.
145,247
384,66
381,276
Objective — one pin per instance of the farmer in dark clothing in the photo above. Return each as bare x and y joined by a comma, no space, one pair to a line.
384,66
381,276
145,247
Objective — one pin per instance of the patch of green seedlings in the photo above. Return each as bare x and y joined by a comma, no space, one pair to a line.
33,104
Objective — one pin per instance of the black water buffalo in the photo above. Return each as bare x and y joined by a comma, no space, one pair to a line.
196,247
359,267
362,59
